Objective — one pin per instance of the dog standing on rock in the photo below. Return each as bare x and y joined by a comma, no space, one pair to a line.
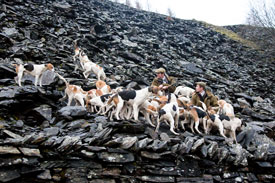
35,70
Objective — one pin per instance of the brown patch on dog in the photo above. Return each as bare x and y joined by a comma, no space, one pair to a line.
116,100
221,103
151,108
194,114
98,93
99,67
49,66
181,103
16,67
161,105
75,90
181,111
109,88
100,84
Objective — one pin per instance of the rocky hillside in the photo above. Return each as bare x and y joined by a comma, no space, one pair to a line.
41,140
263,37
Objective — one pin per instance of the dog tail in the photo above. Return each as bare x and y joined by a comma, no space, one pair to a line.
63,79
75,44
111,99
103,76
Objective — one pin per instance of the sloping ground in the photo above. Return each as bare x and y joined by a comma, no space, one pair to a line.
41,140
263,37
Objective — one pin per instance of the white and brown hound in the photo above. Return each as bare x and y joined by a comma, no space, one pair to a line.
35,70
73,92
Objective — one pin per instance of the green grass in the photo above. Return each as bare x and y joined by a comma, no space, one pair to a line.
230,34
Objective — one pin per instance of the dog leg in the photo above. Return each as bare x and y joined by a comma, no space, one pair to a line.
20,75
192,126
197,126
208,126
204,121
69,100
177,121
158,124
118,109
172,124
233,134
135,111
40,80
147,118
36,80
220,125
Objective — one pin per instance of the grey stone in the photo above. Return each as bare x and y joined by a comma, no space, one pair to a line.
197,144
116,157
72,111
9,150
68,143
53,131
46,175
150,155
9,175
165,137
10,32
128,142
30,152
45,111
151,178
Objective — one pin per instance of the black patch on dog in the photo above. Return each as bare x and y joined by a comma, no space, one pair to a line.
29,67
201,113
174,108
222,117
127,94
161,112
103,98
169,97
212,117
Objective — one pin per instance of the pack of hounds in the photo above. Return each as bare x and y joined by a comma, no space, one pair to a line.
156,107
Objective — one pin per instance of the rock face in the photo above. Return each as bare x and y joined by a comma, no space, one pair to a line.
42,137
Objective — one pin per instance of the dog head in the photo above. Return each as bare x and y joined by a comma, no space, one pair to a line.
221,103
211,111
100,84
153,89
49,67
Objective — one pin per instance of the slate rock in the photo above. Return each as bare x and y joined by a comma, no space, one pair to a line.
116,157
9,175
69,112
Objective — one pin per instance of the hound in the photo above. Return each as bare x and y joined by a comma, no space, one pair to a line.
133,98
184,91
103,87
35,70
73,92
226,108
91,67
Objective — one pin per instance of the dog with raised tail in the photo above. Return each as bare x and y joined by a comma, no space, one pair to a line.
133,98
76,54
91,67
35,70
73,92
226,109
103,87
